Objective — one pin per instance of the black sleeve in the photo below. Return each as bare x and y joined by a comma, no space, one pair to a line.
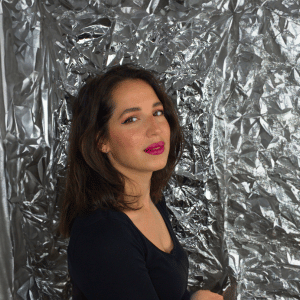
108,263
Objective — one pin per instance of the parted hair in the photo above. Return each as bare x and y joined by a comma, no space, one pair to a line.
91,181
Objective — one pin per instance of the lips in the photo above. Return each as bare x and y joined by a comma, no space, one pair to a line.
155,145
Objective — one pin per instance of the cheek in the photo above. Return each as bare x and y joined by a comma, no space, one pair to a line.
122,140
118,140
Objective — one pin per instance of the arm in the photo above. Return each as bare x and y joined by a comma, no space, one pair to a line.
206,295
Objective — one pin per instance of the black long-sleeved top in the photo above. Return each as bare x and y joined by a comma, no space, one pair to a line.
110,259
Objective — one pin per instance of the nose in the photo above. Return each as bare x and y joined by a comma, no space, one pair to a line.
153,125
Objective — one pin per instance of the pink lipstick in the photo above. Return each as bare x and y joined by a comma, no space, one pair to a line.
156,148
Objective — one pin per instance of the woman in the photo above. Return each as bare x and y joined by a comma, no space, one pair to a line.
124,144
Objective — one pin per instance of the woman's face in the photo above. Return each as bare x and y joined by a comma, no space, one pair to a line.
132,132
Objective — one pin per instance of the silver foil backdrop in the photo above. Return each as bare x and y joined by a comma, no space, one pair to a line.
232,70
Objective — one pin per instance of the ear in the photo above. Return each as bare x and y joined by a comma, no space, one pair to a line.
102,146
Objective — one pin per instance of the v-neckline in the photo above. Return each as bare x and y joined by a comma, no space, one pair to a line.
167,225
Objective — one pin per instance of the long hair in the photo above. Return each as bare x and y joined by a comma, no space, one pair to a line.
91,181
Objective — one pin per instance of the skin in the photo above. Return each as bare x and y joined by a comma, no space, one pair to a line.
206,295
127,142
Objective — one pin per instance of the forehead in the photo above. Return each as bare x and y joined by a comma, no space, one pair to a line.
132,90
131,95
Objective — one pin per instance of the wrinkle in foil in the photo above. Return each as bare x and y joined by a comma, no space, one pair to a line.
232,70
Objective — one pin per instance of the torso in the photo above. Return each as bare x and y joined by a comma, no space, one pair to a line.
153,227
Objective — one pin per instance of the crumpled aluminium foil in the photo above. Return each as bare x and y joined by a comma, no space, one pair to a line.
232,70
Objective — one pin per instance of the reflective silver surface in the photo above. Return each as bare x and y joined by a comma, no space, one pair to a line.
232,69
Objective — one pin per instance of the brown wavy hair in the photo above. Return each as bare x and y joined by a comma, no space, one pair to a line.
91,181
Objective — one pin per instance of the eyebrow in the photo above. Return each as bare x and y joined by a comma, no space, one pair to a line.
128,110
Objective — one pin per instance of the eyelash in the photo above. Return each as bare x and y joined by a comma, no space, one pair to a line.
125,122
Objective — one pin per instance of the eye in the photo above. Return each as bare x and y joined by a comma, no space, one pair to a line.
126,121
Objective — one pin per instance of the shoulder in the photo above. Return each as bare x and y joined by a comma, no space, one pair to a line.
101,232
